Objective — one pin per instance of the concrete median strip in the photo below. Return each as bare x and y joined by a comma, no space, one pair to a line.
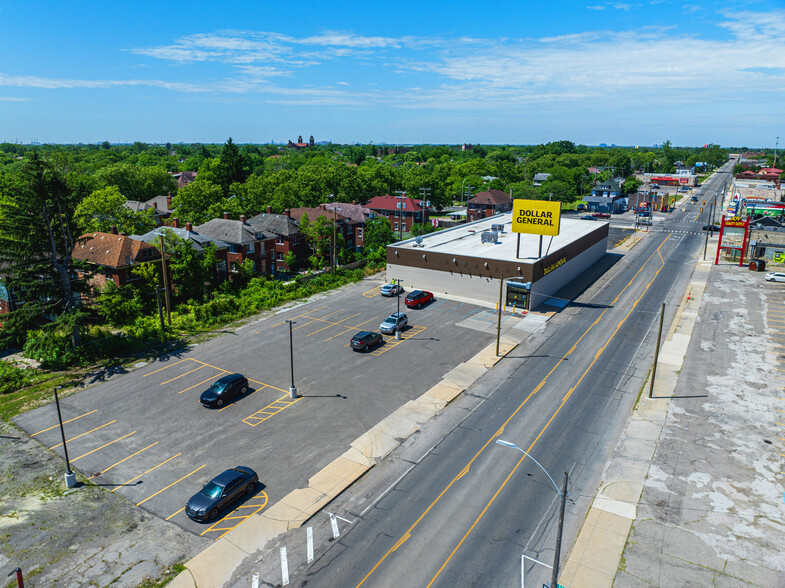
214,566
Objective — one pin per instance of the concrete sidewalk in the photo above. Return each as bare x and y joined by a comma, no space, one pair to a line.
214,566
693,494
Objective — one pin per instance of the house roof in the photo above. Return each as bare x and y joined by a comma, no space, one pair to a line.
136,206
160,203
541,177
184,178
388,202
233,232
609,185
277,224
770,170
112,250
198,242
356,213
314,213
490,197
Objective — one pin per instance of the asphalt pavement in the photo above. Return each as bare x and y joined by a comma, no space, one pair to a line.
452,507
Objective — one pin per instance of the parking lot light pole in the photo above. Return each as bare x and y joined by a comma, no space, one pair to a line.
70,477
397,323
292,388
563,495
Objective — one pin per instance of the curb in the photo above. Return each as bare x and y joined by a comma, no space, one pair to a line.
596,555
215,565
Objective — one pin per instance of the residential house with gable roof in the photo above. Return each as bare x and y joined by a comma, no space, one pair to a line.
244,242
488,203
288,238
114,256
356,215
334,216
607,197
403,212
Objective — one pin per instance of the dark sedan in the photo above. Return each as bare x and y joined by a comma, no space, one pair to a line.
220,492
224,390
364,340
711,228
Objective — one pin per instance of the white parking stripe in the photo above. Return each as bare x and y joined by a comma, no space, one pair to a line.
255,581
334,524
284,567
309,543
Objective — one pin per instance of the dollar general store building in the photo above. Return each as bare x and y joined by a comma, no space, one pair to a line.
466,262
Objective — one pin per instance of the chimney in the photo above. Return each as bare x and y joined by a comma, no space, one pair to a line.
242,218
226,215
189,227
269,209
288,213
169,201
123,234
114,229
354,202
176,223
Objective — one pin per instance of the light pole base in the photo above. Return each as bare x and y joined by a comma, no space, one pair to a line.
292,392
70,479
397,335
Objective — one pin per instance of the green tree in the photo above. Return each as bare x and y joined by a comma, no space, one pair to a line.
106,208
193,203
233,166
378,234
119,305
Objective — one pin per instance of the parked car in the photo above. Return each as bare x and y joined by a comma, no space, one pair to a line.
224,390
711,227
644,213
580,208
602,214
654,186
588,217
397,320
694,199
391,290
418,298
220,492
775,277
364,340
644,222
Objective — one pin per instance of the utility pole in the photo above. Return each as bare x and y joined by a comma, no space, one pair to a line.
557,554
423,193
70,477
401,205
499,318
775,152
656,353
166,280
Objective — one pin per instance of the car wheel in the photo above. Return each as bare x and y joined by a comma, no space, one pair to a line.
250,488
366,348
212,515
219,403
244,389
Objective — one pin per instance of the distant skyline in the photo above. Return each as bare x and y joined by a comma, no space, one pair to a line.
628,73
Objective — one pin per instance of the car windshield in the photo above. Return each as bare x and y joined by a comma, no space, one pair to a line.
212,490
390,319
216,388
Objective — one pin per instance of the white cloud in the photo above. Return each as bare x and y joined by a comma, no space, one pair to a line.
10,99
596,7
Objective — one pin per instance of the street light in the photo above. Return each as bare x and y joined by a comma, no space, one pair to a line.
292,388
70,477
563,495
397,321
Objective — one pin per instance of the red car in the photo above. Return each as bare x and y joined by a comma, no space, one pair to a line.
418,298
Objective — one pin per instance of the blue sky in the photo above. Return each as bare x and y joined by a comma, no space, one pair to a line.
630,73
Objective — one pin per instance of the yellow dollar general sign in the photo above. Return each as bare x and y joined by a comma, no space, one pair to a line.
539,217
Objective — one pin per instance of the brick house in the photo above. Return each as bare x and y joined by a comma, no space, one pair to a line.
288,238
402,212
356,215
487,203
341,222
244,242
114,257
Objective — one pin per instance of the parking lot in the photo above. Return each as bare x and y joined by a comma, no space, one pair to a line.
145,435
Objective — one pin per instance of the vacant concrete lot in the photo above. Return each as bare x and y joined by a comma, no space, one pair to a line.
146,436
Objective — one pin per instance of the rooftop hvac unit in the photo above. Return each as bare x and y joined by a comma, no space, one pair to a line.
499,228
490,237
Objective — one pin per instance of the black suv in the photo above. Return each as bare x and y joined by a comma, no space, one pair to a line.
365,340
223,390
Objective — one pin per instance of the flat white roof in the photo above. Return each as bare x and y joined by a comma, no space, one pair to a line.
466,239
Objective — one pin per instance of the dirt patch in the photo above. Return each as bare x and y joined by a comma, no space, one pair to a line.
77,537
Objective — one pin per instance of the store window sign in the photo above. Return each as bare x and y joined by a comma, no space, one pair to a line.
779,257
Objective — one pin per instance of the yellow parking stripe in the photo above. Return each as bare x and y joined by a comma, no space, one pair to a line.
338,323
202,382
270,410
242,518
170,485
102,446
147,472
64,422
373,292
267,385
83,434
166,367
299,316
321,318
124,459
185,374
171,515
